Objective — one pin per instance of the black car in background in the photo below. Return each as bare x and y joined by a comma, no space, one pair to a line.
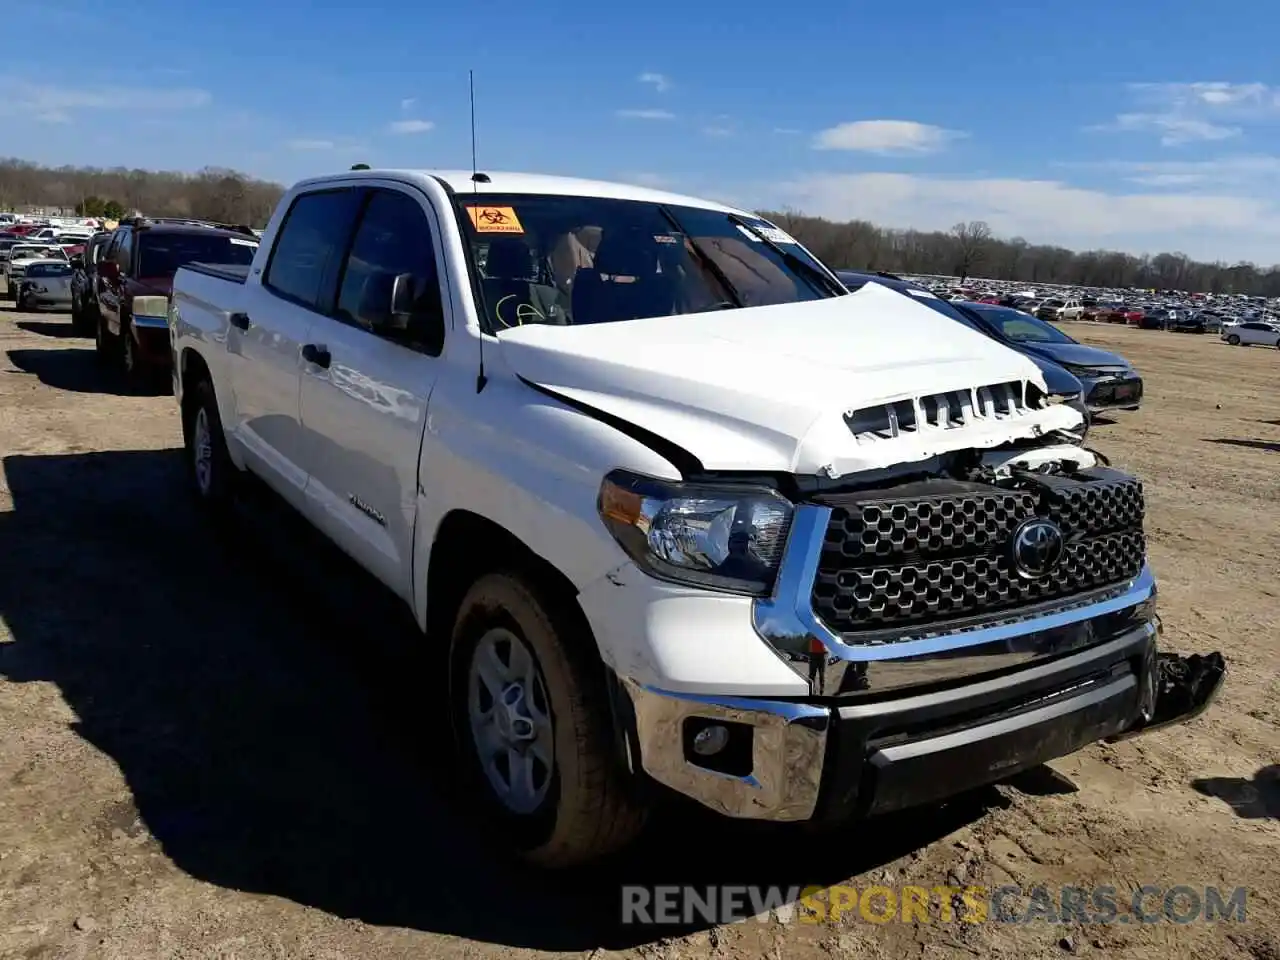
1059,381
1110,381
84,285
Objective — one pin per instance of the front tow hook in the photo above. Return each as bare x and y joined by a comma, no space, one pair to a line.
1185,687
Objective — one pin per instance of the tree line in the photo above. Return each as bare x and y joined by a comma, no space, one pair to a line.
213,193
968,249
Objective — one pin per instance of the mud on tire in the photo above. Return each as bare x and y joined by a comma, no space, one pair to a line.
587,811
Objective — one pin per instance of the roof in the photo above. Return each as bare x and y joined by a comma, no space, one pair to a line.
534,183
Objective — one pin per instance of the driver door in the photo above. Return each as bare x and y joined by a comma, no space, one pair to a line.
365,388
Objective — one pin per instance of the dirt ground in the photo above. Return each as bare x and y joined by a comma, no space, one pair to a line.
208,751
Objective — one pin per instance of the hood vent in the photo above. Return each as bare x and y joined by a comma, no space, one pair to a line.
938,411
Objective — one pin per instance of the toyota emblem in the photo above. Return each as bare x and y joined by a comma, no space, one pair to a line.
1037,547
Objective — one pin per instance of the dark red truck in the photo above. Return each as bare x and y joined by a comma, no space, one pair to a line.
134,279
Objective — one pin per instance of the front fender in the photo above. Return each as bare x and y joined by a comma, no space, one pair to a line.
527,462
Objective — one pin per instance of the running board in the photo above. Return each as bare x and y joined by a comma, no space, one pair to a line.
1185,687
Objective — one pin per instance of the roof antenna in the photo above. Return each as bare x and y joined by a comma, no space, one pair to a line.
481,379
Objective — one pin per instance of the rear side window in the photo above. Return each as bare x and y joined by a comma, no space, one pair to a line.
310,246
123,253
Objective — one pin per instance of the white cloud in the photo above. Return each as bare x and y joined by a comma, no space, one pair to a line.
885,137
408,102
51,103
411,126
1204,111
655,181
720,126
659,81
1203,224
1174,129
307,144
1244,172
785,131
646,114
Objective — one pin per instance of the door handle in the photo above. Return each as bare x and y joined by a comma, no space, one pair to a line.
240,321
318,355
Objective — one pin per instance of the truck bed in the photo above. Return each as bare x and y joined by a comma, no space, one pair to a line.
233,273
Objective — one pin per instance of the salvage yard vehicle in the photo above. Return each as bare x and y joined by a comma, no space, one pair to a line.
679,510
1110,381
1252,332
21,256
134,275
45,284
84,285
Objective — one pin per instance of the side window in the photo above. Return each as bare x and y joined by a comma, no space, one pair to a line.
309,246
393,240
124,250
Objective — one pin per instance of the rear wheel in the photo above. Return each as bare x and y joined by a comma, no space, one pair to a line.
210,471
533,727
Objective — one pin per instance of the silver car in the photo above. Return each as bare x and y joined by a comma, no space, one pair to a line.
45,284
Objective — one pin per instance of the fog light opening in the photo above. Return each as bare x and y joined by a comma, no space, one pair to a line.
709,741
723,746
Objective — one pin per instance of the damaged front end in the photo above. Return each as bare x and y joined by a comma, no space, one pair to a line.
1180,688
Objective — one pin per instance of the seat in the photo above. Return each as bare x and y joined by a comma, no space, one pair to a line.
624,282
508,277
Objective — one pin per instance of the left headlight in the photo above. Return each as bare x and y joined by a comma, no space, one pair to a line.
720,537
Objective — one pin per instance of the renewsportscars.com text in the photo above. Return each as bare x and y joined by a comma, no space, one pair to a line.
1179,904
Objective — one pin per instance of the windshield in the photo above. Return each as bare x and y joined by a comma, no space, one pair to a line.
579,260
1021,327
162,253
49,270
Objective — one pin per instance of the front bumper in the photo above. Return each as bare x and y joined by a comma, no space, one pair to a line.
152,337
1112,393
832,761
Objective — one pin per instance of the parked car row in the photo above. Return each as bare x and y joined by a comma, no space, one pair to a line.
1179,312
116,284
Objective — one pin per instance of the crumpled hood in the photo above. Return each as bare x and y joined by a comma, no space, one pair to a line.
769,388
1077,354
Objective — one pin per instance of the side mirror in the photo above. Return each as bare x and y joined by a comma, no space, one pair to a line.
78,261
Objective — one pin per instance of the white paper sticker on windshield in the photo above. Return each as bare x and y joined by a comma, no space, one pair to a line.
243,243
776,235
750,235
923,294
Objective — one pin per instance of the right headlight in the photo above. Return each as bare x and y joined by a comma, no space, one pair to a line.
717,536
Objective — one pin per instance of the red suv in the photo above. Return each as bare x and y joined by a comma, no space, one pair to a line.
135,277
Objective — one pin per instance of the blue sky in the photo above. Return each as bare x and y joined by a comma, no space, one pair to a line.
1128,124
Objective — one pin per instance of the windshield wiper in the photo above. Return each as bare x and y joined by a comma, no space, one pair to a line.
817,279
721,278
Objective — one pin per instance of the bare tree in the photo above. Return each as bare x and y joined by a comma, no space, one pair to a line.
971,245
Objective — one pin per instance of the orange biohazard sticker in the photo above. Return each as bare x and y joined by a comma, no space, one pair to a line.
495,220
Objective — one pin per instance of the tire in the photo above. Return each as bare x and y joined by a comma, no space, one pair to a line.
105,344
1233,340
211,474
81,322
579,808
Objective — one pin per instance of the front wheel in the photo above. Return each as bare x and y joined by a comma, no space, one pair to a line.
533,728
1233,340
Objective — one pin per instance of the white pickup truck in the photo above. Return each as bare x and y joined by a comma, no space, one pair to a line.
681,509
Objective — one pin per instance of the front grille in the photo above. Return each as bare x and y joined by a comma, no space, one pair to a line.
920,556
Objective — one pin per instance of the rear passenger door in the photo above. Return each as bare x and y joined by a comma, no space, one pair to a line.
264,343
364,405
